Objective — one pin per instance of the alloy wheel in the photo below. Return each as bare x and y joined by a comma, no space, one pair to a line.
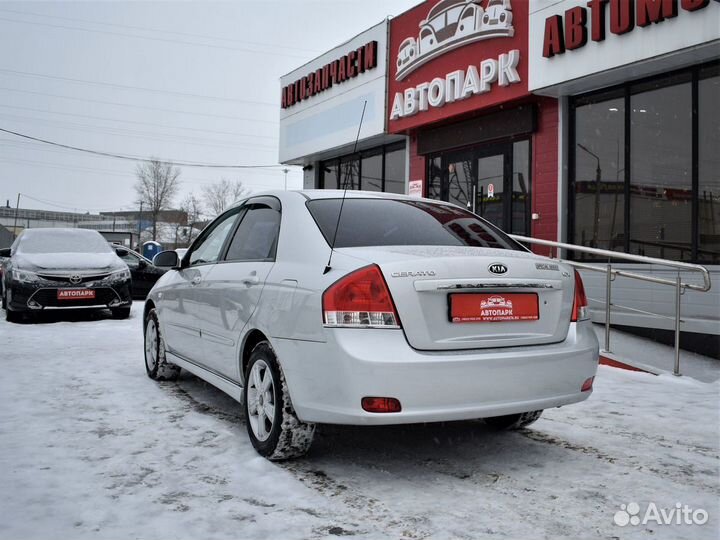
261,400
151,345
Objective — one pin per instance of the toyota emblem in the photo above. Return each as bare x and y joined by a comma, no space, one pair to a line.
75,279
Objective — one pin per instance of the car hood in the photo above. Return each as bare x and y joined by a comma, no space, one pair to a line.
68,261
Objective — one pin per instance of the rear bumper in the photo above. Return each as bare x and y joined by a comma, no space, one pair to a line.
328,380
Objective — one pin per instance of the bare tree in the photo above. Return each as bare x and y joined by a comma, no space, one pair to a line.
192,206
222,194
156,187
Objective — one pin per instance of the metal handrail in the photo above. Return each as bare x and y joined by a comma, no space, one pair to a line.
611,274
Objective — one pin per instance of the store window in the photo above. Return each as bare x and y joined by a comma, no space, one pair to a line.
661,170
349,173
378,169
395,171
372,172
329,171
709,165
599,181
635,186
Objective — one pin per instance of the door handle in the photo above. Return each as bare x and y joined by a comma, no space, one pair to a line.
195,281
252,279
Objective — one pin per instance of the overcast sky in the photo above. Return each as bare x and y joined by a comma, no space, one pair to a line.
193,81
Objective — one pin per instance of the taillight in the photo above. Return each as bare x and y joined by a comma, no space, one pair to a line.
381,404
580,303
360,300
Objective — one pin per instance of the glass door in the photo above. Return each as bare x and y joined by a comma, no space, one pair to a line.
490,196
460,179
492,181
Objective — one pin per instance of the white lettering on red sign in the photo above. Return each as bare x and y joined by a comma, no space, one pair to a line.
75,294
457,85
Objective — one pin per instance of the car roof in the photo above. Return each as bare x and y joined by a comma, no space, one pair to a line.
316,194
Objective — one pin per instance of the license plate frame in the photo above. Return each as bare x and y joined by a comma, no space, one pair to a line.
68,295
475,307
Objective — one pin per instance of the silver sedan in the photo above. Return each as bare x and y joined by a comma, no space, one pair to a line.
309,308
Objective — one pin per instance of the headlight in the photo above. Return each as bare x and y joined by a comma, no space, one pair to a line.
23,276
119,275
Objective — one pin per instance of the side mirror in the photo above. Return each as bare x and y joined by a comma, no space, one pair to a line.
167,259
5,252
142,263
121,252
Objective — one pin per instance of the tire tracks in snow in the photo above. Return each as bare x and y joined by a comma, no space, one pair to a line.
363,515
685,473
200,407
360,507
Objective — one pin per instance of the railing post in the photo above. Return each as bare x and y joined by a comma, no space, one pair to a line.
608,282
678,293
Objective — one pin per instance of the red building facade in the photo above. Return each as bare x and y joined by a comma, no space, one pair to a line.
458,88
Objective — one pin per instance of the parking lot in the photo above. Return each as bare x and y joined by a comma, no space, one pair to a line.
90,447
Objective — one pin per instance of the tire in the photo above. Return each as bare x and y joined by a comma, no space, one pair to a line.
156,366
120,313
513,421
283,436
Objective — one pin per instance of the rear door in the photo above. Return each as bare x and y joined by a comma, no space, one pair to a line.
231,290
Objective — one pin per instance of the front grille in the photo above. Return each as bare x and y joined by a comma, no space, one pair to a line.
67,278
48,298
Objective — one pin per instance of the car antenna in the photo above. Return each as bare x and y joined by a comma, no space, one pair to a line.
342,203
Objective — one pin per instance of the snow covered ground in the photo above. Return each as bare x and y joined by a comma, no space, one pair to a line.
92,448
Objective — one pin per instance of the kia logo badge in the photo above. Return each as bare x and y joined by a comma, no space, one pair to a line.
497,268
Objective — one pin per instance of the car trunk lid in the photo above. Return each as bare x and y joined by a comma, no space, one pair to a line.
447,298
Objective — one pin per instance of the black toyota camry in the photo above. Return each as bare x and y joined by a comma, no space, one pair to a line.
63,269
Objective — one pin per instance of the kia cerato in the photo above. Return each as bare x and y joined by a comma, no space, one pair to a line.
308,307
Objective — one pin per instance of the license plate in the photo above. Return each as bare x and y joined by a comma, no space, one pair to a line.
493,307
76,294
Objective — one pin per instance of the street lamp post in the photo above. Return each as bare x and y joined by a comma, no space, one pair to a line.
17,209
139,224
598,175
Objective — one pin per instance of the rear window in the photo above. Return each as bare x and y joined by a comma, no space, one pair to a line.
388,222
